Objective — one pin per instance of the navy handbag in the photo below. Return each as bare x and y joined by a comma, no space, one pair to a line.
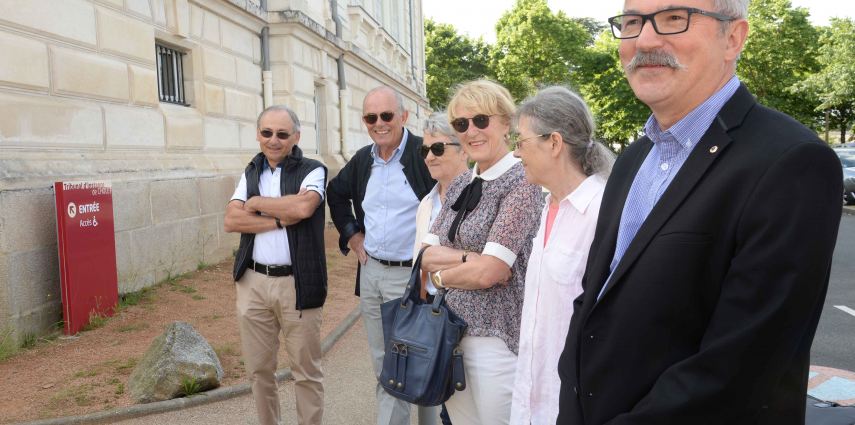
423,363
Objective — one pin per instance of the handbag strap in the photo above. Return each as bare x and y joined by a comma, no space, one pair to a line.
415,283
438,300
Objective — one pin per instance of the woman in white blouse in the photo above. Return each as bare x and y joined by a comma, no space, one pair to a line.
554,142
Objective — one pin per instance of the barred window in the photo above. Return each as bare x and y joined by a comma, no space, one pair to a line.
170,75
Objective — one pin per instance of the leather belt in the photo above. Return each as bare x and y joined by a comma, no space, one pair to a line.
272,271
406,263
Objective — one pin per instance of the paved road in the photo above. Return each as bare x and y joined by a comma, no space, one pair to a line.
834,345
349,392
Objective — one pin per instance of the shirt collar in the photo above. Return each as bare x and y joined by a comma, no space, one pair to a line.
497,169
398,150
688,130
265,165
584,194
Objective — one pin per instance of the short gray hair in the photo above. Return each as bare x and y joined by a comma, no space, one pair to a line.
437,124
734,8
398,98
291,113
557,109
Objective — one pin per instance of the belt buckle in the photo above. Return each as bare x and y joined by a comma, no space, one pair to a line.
267,270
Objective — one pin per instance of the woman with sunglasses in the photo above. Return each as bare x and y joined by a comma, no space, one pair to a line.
481,241
445,160
555,130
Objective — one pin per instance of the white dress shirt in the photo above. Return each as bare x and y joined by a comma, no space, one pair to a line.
553,280
271,247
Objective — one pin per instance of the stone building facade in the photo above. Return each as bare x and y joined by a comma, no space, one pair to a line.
80,99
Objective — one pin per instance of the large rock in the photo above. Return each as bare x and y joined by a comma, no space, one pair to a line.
178,361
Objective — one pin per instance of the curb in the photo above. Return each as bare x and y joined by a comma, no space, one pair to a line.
218,394
848,210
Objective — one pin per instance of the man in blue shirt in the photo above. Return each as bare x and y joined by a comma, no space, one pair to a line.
709,266
383,184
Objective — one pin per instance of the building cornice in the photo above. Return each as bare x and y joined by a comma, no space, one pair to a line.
299,19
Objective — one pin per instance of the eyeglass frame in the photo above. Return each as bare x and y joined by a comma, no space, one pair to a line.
519,142
424,149
650,17
466,120
371,118
278,134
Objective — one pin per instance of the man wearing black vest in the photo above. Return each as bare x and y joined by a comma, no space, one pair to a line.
383,184
280,267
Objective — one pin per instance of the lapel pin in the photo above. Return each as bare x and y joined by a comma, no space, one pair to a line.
714,149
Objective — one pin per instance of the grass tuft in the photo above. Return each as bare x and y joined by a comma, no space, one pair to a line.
190,386
8,344
28,341
96,320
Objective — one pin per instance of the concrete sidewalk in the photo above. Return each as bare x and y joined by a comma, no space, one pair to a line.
348,387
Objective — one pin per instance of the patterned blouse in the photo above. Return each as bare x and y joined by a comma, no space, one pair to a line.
503,225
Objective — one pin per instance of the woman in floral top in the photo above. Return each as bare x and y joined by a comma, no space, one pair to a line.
481,242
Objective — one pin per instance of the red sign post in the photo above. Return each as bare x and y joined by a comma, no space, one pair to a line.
87,251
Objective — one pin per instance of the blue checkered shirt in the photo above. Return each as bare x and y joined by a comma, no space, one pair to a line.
666,157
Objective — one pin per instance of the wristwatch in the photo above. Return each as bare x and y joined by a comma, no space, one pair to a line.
436,279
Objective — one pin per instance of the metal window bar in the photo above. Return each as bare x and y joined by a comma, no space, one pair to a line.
170,82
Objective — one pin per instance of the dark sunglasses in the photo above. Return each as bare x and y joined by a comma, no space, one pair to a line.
437,148
281,135
461,124
372,118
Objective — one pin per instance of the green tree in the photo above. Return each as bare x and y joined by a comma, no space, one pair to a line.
450,59
619,114
593,26
535,47
834,84
781,51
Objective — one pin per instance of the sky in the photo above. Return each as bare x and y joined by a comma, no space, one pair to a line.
477,18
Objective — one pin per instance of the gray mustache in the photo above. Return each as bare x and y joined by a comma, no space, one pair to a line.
658,58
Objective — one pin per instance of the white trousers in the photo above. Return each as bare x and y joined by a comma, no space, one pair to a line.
490,368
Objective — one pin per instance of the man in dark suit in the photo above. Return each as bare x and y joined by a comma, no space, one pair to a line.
711,258
382,184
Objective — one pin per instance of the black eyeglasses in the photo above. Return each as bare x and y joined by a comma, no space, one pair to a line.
461,124
281,135
372,117
438,148
665,22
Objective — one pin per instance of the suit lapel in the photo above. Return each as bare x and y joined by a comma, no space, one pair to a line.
712,145
610,217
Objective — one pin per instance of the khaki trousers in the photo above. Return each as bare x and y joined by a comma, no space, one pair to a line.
378,284
266,306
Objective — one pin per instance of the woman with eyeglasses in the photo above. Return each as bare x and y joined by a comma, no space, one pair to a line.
554,142
480,244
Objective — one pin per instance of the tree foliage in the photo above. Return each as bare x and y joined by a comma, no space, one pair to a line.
790,65
780,51
620,116
536,47
834,85
451,58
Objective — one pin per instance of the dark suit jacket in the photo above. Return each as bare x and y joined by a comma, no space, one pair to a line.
710,314
346,190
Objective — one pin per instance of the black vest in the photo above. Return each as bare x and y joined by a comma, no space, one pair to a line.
305,239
